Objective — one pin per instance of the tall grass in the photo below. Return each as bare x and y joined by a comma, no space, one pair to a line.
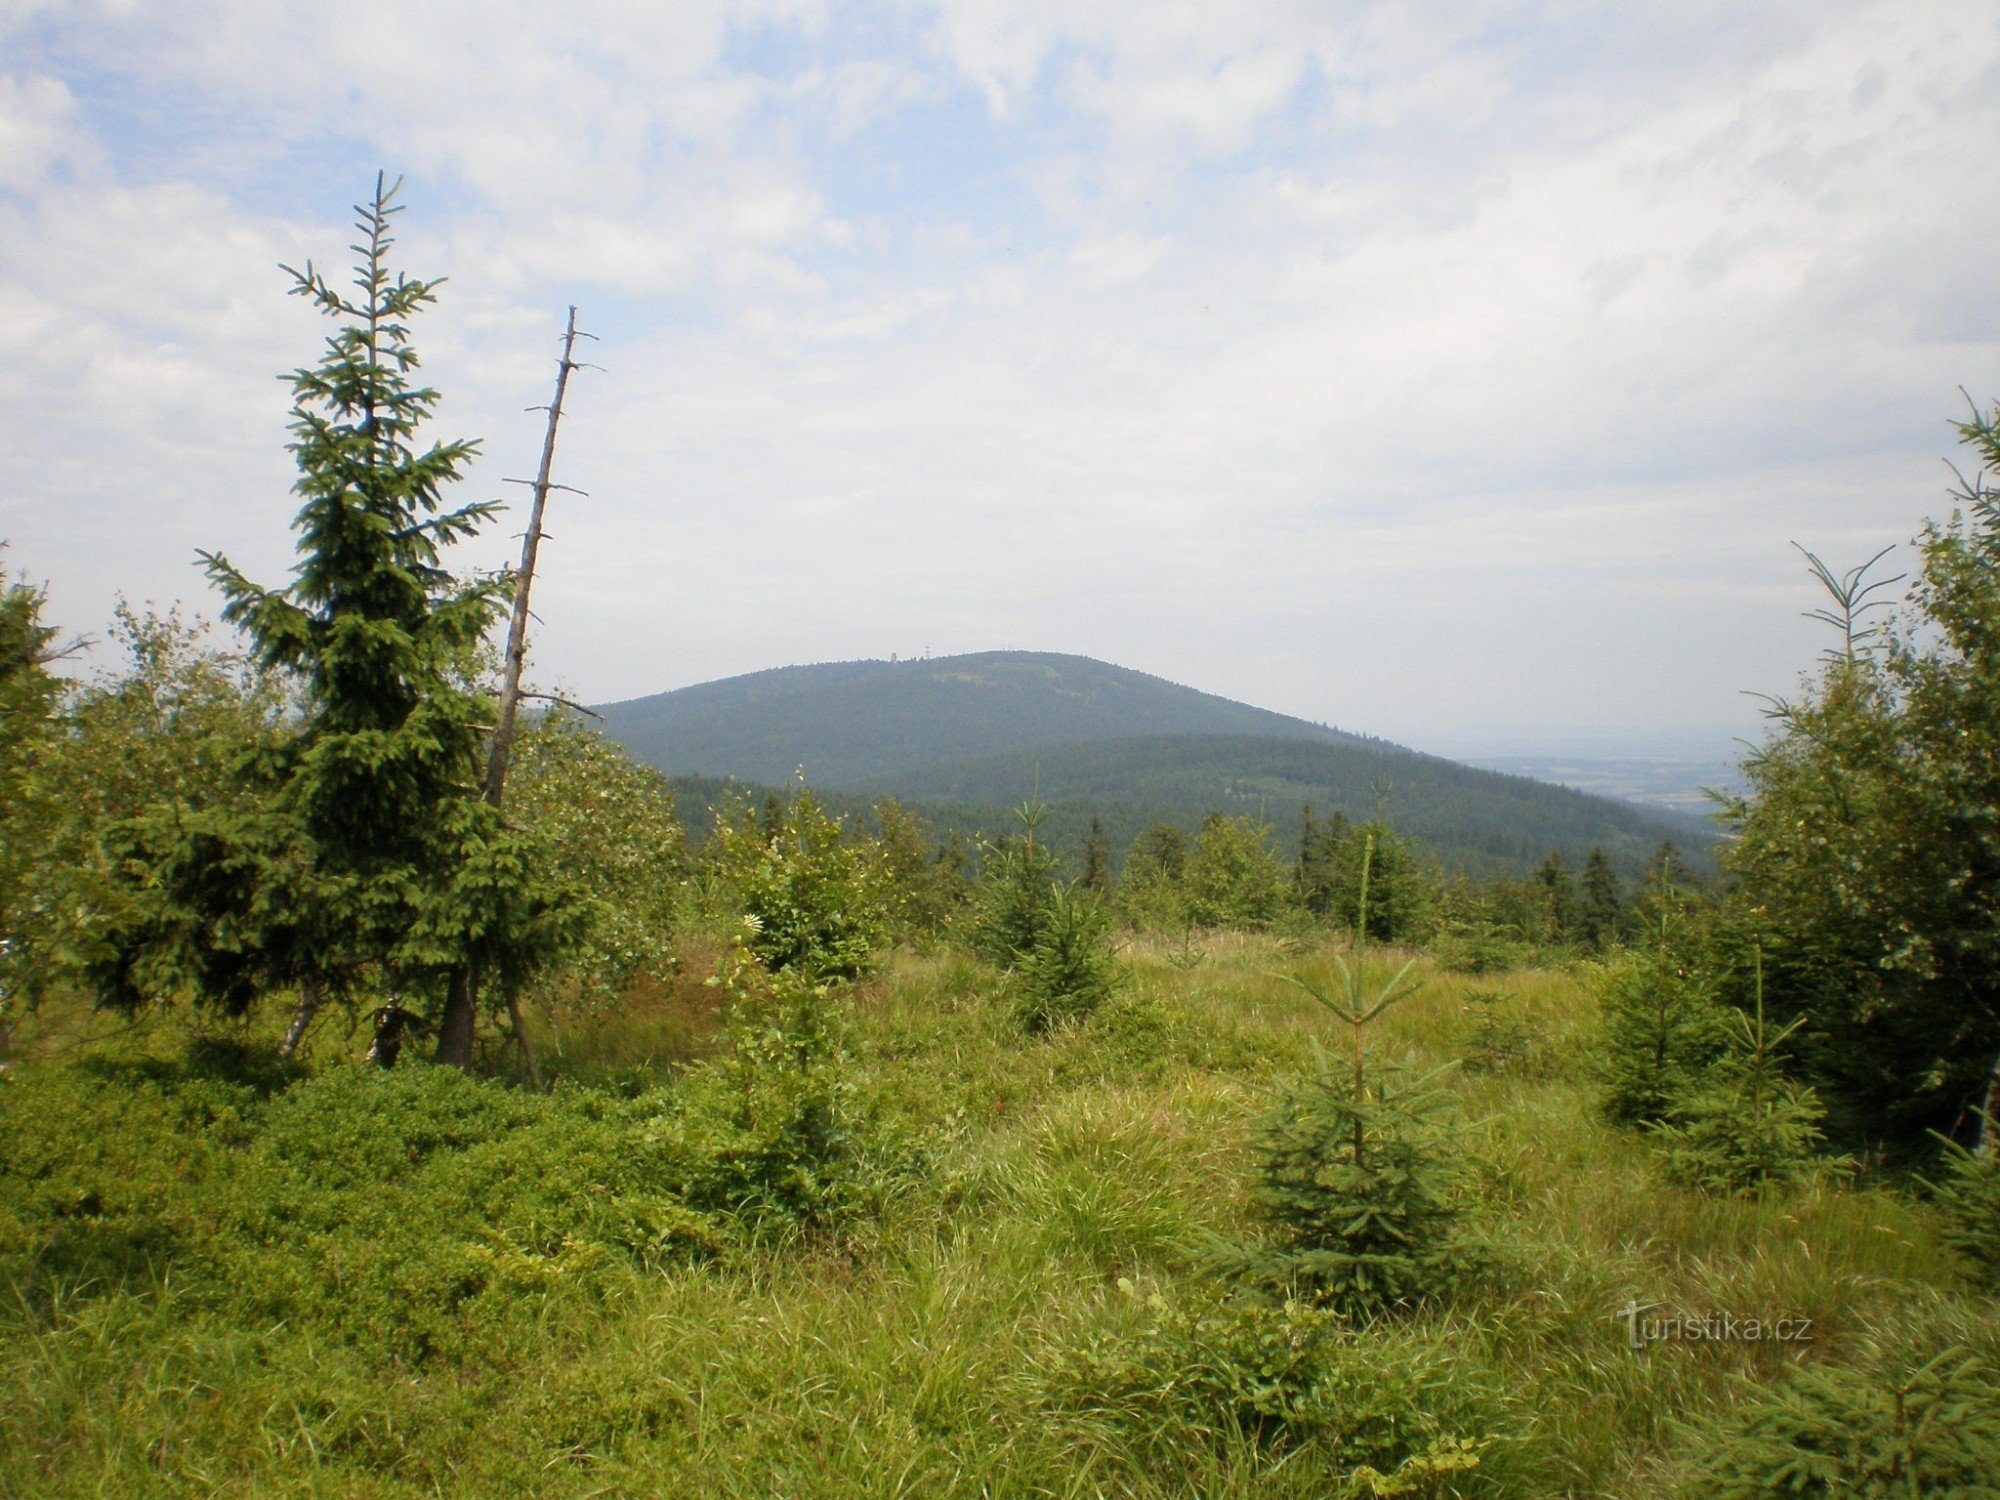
1061,1189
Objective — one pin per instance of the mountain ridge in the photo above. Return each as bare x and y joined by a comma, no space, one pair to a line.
977,733
760,726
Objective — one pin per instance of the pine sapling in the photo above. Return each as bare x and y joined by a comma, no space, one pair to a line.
1360,1169
1748,1123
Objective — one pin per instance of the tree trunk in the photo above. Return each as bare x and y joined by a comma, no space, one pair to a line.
302,1019
534,1068
461,1011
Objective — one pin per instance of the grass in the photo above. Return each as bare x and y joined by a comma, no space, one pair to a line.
942,1347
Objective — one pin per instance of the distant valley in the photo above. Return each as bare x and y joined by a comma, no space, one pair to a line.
1676,784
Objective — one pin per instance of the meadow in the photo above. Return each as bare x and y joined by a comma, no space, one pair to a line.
229,1276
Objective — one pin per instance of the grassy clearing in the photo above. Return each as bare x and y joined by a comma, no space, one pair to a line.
1023,1314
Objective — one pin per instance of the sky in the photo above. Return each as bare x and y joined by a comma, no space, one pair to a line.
1460,373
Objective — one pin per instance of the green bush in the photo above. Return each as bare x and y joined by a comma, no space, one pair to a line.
1231,878
1361,1173
1017,893
773,1133
1500,1043
1366,1187
1913,1413
812,900
1379,1411
1071,969
1744,1122
1662,1028
1478,948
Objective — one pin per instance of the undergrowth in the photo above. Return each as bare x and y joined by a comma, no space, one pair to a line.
897,1246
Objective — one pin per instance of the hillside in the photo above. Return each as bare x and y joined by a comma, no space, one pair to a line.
963,738
854,721
1480,820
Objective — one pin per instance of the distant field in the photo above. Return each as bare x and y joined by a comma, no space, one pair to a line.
1676,785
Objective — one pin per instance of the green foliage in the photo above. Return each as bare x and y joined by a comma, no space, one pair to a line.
1868,857
815,901
621,846
1361,1173
1500,1043
1744,1123
928,888
1017,892
1226,877
1476,947
1913,1414
1231,878
1071,970
1097,861
1601,914
1370,867
1968,1191
216,1274
1661,1028
362,842
1365,1187
1054,939
1151,887
774,1133
28,814
416,1214
1378,1412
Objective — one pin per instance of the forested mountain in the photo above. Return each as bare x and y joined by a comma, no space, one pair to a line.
847,722
964,738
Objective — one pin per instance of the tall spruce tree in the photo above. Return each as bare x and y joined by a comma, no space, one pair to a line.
363,844
1603,910
1097,860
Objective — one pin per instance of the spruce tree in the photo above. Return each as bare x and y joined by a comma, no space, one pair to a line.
1603,910
362,845
1097,860
1362,1177
1558,892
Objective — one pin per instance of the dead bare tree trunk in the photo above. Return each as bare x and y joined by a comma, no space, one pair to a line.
455,1030
310,992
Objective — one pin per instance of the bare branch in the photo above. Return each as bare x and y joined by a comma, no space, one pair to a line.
565,702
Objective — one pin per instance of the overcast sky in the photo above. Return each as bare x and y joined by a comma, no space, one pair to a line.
1457,373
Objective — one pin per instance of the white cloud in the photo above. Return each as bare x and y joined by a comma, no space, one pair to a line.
35,129
1399,365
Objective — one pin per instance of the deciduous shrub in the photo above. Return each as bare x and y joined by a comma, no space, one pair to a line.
815,901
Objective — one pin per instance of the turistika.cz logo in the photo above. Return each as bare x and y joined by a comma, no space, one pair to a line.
1707,1328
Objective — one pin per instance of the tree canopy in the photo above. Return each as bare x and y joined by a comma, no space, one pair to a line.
1868,862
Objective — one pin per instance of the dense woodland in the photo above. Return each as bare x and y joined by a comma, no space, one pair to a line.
369,1133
